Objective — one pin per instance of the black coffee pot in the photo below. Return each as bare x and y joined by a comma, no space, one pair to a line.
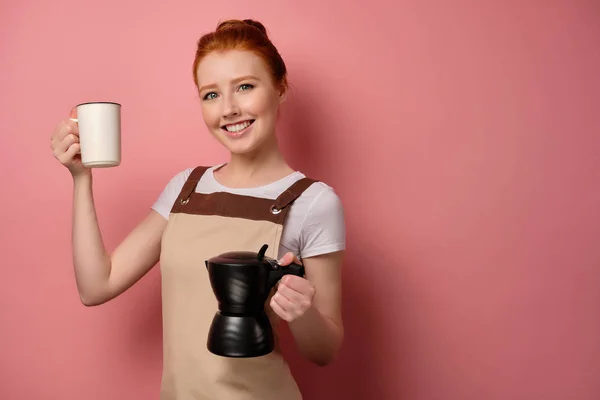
241,282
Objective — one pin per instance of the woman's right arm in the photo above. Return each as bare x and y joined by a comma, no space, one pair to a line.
101,276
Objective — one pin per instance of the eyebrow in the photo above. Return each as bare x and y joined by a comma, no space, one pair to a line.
236,80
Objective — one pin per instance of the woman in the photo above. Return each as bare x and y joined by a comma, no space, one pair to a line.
254,198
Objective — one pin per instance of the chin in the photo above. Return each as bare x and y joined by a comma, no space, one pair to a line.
242,149
244,145
237,149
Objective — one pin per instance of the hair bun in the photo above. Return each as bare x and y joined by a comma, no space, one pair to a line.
257,24
241,24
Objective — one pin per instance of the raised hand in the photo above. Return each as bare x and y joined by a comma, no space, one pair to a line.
65,145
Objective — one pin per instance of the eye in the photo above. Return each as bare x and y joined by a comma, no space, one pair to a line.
246,86
210,96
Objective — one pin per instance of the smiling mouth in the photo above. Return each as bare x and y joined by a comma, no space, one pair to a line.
237,127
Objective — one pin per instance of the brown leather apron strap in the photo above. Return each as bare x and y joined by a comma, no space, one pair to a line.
292,193
190,184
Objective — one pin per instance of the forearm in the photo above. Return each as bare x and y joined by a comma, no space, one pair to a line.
317,337
90,258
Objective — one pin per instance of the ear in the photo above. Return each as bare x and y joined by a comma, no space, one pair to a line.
282,95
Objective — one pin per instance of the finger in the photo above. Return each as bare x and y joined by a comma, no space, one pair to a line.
68,156
289,258
73,113
290,294
282,301
298,284
279,310
286,259
63,145
72,127
64,129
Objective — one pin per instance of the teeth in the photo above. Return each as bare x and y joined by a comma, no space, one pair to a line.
237,127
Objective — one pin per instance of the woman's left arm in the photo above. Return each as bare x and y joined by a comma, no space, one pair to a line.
312,306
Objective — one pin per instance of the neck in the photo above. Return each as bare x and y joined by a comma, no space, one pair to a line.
260,167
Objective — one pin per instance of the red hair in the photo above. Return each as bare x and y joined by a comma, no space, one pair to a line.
246,35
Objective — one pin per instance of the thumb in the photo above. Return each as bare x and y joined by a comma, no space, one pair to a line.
289,258
73,113
286,259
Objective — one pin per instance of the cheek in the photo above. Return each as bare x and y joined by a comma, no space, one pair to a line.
260,105
210,115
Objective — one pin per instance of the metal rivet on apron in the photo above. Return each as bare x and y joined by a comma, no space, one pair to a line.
182,201
275,210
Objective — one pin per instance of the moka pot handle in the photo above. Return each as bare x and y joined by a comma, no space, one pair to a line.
279,271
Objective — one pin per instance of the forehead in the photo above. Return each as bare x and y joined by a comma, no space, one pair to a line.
223,66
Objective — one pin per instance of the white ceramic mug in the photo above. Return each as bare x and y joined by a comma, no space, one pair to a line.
99,133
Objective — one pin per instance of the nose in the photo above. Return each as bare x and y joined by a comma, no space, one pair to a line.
230,107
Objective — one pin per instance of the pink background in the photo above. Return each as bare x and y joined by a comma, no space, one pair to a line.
463,138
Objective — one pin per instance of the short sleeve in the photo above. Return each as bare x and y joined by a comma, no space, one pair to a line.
323,229
166,199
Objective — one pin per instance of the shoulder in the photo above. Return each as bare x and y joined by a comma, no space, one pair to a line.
320,198
170,191
319,220
176,181
317,199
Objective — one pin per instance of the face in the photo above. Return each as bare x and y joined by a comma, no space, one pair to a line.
239,101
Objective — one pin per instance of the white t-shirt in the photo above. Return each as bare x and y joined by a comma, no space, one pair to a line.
315,223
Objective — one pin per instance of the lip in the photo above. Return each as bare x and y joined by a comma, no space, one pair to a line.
238,134
238,122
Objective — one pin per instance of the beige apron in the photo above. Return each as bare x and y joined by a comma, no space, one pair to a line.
202,226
